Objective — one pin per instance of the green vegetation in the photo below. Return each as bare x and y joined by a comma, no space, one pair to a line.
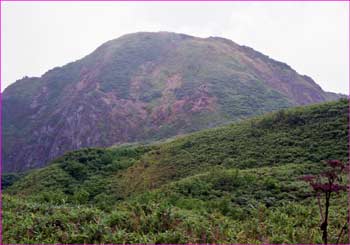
8,179
235,184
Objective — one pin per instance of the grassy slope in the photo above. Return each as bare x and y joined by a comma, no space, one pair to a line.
237,183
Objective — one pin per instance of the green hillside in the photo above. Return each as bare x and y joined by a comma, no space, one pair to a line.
234,184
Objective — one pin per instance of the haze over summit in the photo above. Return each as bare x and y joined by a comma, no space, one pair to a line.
39,36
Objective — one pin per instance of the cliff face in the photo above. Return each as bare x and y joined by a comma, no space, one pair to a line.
141,87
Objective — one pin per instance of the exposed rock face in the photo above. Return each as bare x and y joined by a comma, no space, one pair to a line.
144,86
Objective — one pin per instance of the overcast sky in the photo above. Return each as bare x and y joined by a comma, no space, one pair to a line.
312,37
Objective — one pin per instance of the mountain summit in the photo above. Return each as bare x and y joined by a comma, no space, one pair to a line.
141,87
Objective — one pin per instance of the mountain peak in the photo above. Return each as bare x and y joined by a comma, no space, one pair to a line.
144,86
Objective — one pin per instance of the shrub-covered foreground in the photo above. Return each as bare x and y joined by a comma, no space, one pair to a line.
235,184
219,207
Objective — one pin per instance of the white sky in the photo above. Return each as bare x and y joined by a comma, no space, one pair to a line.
312,37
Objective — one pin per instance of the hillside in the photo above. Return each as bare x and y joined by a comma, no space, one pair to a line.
142,87
234,184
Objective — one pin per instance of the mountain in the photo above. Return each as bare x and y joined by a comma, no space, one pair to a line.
141,87
239,183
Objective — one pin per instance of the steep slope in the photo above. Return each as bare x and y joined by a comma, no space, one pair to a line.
141,87
234,184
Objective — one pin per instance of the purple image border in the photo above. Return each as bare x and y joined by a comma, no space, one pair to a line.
348,180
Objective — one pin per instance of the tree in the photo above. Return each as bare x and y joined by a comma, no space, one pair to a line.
324,185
